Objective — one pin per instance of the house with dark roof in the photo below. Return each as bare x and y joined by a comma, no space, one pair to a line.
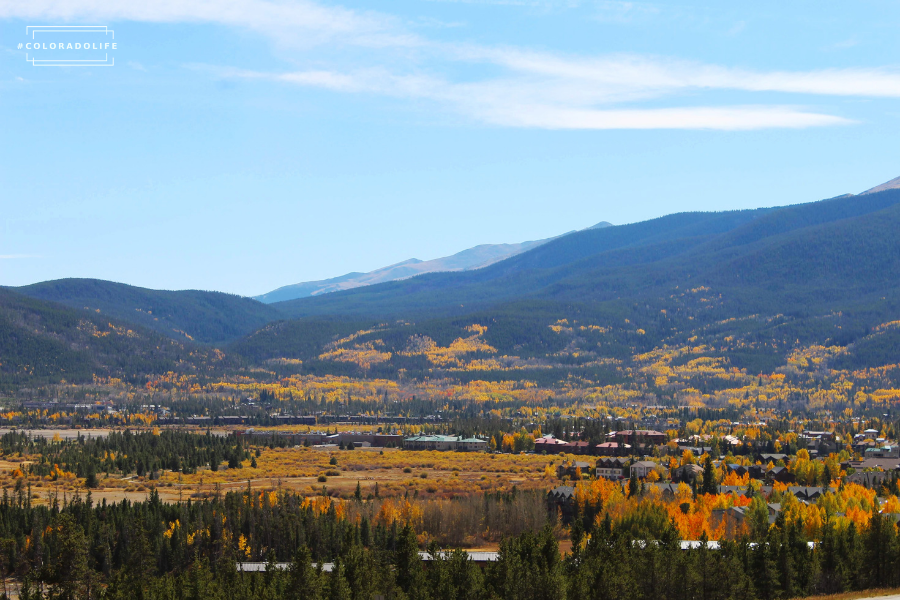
869,479
562,500
570,470
771,458
780,474
739,470
734,517
612,468
808,493
687,473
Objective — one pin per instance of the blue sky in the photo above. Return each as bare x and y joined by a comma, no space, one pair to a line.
242,145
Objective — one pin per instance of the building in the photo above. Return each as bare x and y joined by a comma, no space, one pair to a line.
810,493
823,442
642,468
771,458
562,499
640,437
735,517
869,479
757,471
611,468
295,419
883,452
471,445
687,473
358,440
885,464
444,443
549,444
613,449
570,470
576,448
739,470
780,474
478,557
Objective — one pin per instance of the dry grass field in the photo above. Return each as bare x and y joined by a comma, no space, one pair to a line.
422,474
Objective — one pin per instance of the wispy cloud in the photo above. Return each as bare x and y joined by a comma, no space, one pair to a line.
628,74
297,22
521,102
525,88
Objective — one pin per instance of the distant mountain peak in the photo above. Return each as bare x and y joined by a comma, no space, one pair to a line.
893,184
600,225
466,260
470,259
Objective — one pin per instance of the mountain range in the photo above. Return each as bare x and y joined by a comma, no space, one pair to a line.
893,184
750,284
467,260
194,315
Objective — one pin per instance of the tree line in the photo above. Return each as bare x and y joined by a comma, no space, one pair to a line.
126,452
147,550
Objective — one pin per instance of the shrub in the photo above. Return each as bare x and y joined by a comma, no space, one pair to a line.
322,478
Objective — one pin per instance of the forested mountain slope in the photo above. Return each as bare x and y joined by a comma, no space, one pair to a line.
46,342
470,259
188,314
812,251
750,287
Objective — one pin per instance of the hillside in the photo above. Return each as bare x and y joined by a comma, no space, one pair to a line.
779,250
207,317
477,257
749,286
526,274
893,184
744,289
43,342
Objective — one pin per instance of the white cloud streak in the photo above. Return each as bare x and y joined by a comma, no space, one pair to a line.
635,74
533,89
294,22
534,104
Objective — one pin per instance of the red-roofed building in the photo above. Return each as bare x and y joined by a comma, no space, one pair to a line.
550,444
577,447
639,437
613,449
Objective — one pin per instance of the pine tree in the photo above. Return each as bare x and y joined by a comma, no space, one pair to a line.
709,477
304,582
410,575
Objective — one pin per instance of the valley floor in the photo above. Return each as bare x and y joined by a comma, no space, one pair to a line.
420,474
